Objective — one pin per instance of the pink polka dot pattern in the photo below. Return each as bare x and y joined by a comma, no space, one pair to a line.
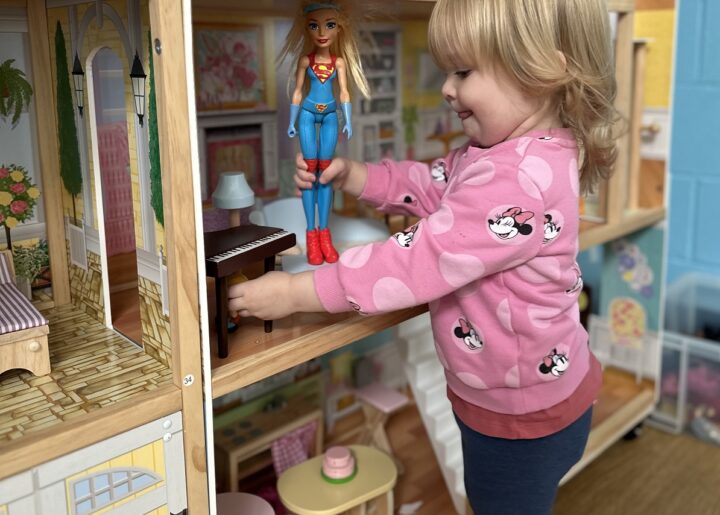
542,269
455,268
482,172
535,173
356,257
441,357
522,145
472,380
540,315
420,175
441,221
503,314
574,177
390,292
512,377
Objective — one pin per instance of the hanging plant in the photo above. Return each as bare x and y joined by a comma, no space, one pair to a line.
18,197
15,91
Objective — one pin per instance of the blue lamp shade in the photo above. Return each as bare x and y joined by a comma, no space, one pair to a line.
233,192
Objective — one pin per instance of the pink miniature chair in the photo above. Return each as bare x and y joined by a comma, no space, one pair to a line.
239,503
379,402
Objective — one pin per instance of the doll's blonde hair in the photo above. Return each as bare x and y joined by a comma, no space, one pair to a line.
557,49
297,44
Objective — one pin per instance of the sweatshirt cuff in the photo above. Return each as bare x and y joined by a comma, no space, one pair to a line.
329,290
377,183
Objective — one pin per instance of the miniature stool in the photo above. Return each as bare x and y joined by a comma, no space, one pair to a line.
239,503
304,491
379,402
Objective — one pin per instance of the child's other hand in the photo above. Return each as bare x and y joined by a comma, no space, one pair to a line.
336,173
303,179
274,295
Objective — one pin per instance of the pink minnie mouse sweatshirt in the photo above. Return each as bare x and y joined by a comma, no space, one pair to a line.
493,256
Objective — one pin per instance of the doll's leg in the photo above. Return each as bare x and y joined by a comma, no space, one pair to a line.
328,141
308,145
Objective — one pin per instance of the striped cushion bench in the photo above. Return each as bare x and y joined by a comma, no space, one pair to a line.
16,312
23,330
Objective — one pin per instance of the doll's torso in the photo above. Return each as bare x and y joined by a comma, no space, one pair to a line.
321,76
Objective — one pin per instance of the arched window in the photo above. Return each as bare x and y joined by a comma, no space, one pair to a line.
91,493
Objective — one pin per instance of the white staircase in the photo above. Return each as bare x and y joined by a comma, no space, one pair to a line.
427,380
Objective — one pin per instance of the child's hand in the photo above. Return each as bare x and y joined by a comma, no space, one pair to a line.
274,295
303,179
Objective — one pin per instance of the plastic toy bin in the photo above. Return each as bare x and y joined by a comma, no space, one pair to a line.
690,384
693,306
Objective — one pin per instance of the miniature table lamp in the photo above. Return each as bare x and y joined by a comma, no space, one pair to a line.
233,193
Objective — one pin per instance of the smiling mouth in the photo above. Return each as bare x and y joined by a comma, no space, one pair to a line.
464,114
322,41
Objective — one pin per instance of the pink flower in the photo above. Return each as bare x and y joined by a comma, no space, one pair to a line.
18,187
18,206
2,218
4,173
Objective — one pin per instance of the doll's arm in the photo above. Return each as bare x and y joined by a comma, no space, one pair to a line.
303,63
344,96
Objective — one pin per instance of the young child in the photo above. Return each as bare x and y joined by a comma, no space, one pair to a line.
494,252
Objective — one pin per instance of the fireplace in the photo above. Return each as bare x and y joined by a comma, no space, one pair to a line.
239,141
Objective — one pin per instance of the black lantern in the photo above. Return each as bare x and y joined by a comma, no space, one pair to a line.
137,74
79,79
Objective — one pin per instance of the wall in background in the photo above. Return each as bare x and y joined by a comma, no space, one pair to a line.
694,245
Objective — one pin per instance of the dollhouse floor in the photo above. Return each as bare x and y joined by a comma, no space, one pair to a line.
92,367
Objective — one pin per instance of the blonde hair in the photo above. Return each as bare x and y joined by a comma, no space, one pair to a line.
297,44
558,49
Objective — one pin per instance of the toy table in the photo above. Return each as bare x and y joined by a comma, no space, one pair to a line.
303,490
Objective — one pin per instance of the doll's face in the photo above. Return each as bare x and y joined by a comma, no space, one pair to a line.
322,27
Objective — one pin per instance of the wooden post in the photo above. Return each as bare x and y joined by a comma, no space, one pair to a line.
47,144
166,20
617,185
639,52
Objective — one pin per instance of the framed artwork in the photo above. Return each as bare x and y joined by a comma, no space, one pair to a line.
237,153
228,67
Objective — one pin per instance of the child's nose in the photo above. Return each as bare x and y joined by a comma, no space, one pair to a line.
448,90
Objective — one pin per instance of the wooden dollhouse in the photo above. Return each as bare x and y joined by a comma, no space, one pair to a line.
122,426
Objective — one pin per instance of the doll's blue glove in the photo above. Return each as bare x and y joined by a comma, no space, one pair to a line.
347,111
294,110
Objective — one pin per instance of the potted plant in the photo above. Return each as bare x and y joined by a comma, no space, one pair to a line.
29,261
18,197
15,91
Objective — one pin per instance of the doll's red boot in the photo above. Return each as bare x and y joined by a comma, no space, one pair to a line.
314,254
326,246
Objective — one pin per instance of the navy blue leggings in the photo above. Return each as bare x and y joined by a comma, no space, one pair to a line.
519,477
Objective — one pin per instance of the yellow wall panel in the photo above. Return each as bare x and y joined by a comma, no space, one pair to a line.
150,457
658,27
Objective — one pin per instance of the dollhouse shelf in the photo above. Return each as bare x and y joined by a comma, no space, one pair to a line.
592,234
255,355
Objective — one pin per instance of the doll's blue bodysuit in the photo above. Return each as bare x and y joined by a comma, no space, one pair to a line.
318,109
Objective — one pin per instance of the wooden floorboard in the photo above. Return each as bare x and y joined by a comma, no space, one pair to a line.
92,367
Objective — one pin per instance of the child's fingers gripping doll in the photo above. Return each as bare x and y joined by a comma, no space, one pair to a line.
322,41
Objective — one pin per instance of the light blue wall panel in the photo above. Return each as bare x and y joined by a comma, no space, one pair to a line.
706,247
694,217
679,237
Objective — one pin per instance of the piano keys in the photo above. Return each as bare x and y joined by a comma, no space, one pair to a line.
227,251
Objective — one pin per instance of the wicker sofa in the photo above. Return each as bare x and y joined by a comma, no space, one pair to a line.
23,330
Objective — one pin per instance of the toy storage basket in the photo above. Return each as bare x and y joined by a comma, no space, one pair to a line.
690,381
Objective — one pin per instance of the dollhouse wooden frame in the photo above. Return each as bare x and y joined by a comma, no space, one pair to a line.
198,376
